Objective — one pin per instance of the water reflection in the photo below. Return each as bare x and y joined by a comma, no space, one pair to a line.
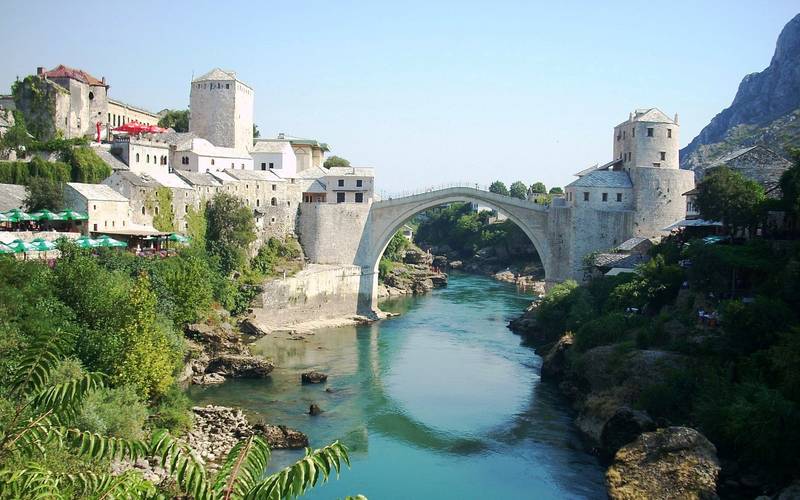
445,394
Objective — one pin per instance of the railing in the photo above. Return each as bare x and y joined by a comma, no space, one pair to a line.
385,195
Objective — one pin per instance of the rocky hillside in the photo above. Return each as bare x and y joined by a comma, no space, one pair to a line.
766,109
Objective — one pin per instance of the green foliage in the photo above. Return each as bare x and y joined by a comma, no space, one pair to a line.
44,193
35,98
274,253
16,138
654,285
556,190
519,190
727,196
21,172
607,329
86,165
176,119
565,307
751,327
187,282
230,230
396,249
498,187
385,266
256,132
539,188
335,161
172,411
116,412
162,207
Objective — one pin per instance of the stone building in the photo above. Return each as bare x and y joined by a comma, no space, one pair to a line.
222,110
274,155
349,185
143,155
643,179
200,155
120,113
107,209
757,163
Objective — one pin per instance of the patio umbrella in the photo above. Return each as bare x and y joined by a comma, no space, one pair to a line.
4,249
21,246
3,217
86,242
46,214
154,129
107,241
73,215
17,215
178,237
42,245
133,127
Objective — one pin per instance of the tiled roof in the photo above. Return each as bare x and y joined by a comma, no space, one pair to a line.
627,261
198,179
316,187
651,115
606,166
138,180
604,178
204,148
253,175
628,245
216,74
99,192
62,71
12,196
730,156
113,162
270,146
181,140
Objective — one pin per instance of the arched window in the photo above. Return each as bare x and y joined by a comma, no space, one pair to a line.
258,202
273,202
148,159
142,210
137,157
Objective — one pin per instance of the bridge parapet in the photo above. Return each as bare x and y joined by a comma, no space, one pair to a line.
470,190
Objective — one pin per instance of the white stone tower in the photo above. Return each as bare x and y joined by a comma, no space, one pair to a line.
221,110
647,145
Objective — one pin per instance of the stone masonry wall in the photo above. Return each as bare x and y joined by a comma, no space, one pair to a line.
331,233
658,198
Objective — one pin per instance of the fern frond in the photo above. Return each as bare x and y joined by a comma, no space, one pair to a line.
66,398
181,463
92,445
315,468
34,481
244,465
39,358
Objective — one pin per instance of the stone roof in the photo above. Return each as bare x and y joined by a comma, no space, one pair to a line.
132,107
270,146
635,243
623,260
357,171
181,140
198,178
653,115
112,161
12,196
594,167
316,187
99,192
138,180
167,179
62,71
253,175
223,177
604,179
216,74
202,147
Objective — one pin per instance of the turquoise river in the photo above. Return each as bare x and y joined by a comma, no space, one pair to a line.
441,402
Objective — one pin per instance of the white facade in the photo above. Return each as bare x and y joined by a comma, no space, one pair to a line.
199,155
107,209
275,156
143,156
649,138
350,185
222,110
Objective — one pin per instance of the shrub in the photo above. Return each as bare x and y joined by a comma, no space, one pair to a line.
750,327
607,329
173,411
115,412
385,266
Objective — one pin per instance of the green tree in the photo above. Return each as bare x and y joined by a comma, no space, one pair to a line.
790,189
518,190
176,119
556,190
188,285
538,188
256,133
396,249
335,161
86,165
16,138
231,229
42,192
498,187
727,196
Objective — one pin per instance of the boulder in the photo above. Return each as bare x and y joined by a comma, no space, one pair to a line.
417,256
249,327
280,436
240,366
456,264
216,339
792,492
674,462
624,426
313,377
440,261
554,363
208,379
506,276
314,409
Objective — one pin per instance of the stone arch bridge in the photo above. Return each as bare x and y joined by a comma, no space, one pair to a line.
356,235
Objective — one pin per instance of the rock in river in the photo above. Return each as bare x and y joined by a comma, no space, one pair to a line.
313,377
674,462
244,366
280,436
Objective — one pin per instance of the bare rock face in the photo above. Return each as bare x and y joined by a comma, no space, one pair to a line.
313,377
249,327
314,409
674,462
555,361
506,276
624,426
208,379
415,256
244,366
440,261
216,339
280,436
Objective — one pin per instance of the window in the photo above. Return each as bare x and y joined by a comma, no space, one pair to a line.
142,210
656,164
95,227
227,85
263,165
341,182
623,135
359,183
94,207
586,196
148,159
137,157
156,209
605,196
274,187
271,165
258,202
669,133
359,197
339,197
186,209
649,132
232,165
633,132
619,197
274,202
272,220
663,155
212,161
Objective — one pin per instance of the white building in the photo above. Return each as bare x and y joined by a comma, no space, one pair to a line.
107,209
275,156
143,156
350,185
222,110
199,155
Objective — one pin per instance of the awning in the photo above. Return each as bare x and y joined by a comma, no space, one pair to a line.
693,223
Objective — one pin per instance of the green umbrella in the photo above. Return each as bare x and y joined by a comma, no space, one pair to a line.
107,241
73,215
178,237
46,214
17,215
3,217
21,246
42,245
6,249
86,242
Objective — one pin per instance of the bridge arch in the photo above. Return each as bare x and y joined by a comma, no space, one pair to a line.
387,217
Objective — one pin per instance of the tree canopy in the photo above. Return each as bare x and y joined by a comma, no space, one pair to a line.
335,161
538,188
44,193
518,190
498,187
727,196
231,229
176,119
556,190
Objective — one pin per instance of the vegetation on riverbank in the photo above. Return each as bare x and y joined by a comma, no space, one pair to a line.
722,317
101,336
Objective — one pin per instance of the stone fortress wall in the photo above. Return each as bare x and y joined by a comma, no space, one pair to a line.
659,198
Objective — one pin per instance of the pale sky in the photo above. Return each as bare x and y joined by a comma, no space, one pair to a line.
426,92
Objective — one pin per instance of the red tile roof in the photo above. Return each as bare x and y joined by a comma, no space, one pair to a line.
62,71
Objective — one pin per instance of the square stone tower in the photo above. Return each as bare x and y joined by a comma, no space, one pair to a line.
221,110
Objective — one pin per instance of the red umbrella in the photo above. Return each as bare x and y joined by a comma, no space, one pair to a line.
154,129
133,127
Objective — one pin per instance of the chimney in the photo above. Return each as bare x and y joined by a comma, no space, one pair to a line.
39,71
676,119
103,80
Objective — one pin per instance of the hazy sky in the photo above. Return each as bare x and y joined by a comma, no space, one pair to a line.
426,92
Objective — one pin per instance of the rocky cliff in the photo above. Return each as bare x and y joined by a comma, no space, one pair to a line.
766,109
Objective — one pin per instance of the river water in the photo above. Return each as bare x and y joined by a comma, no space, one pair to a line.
442,402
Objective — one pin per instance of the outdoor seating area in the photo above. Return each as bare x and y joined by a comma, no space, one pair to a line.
18,220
